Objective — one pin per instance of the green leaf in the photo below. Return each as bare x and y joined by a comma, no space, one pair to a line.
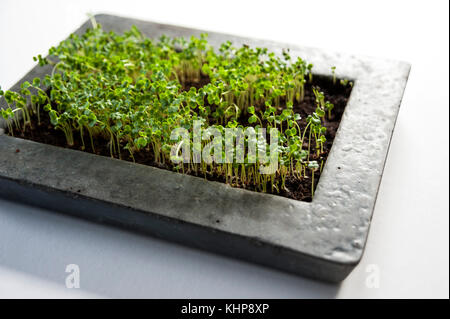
25,92
141,142
313,165
320,112
9,97
53,117
36,82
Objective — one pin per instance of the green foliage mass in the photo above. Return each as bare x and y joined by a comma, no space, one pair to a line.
134,91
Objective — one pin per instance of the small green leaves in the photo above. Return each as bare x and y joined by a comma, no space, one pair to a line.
25,92
333,72
47,80
83,120
320,112
140,142
7,114
92,120
313,165
252,119
10,97
34,99
130,92
291,132
345,82
53,117
42,61
36,82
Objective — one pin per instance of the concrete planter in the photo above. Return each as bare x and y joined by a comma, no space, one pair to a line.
323,239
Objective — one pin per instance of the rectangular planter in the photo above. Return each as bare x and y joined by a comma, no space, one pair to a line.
324,239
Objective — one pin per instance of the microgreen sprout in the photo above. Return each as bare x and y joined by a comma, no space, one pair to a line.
313,166
345,82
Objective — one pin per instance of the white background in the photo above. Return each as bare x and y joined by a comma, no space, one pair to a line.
409,236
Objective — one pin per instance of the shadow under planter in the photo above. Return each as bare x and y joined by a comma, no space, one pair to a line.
323,239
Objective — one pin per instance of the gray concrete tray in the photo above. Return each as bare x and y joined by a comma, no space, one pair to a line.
324,239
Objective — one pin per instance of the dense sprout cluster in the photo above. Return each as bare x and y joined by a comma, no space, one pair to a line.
134,91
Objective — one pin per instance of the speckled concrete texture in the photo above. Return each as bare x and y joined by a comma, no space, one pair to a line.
323,239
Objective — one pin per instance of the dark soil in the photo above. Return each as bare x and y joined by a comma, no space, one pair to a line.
299,189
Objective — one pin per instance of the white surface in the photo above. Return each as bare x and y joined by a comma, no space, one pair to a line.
408,241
